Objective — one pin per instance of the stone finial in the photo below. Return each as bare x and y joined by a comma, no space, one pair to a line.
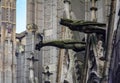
32,59
67,1
93,8
32,27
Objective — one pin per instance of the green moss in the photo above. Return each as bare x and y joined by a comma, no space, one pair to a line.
65,44
81,22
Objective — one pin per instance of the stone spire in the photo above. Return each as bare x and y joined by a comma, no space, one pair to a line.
32,28
7,41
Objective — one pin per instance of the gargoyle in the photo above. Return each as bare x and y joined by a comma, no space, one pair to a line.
63,44
84,26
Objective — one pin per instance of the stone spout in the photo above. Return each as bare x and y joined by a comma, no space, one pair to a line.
63,44
84,26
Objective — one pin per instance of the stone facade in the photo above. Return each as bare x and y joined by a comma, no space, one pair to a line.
43,17
46,15
7,41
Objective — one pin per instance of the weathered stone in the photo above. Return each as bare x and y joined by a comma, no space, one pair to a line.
84,26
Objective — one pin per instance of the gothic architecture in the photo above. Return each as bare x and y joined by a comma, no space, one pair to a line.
58,22
7,41
43,18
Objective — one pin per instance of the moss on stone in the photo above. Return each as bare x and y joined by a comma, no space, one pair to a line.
80,22
84,26
65,44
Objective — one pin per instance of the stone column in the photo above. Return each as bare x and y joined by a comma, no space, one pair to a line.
8,43
32,28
